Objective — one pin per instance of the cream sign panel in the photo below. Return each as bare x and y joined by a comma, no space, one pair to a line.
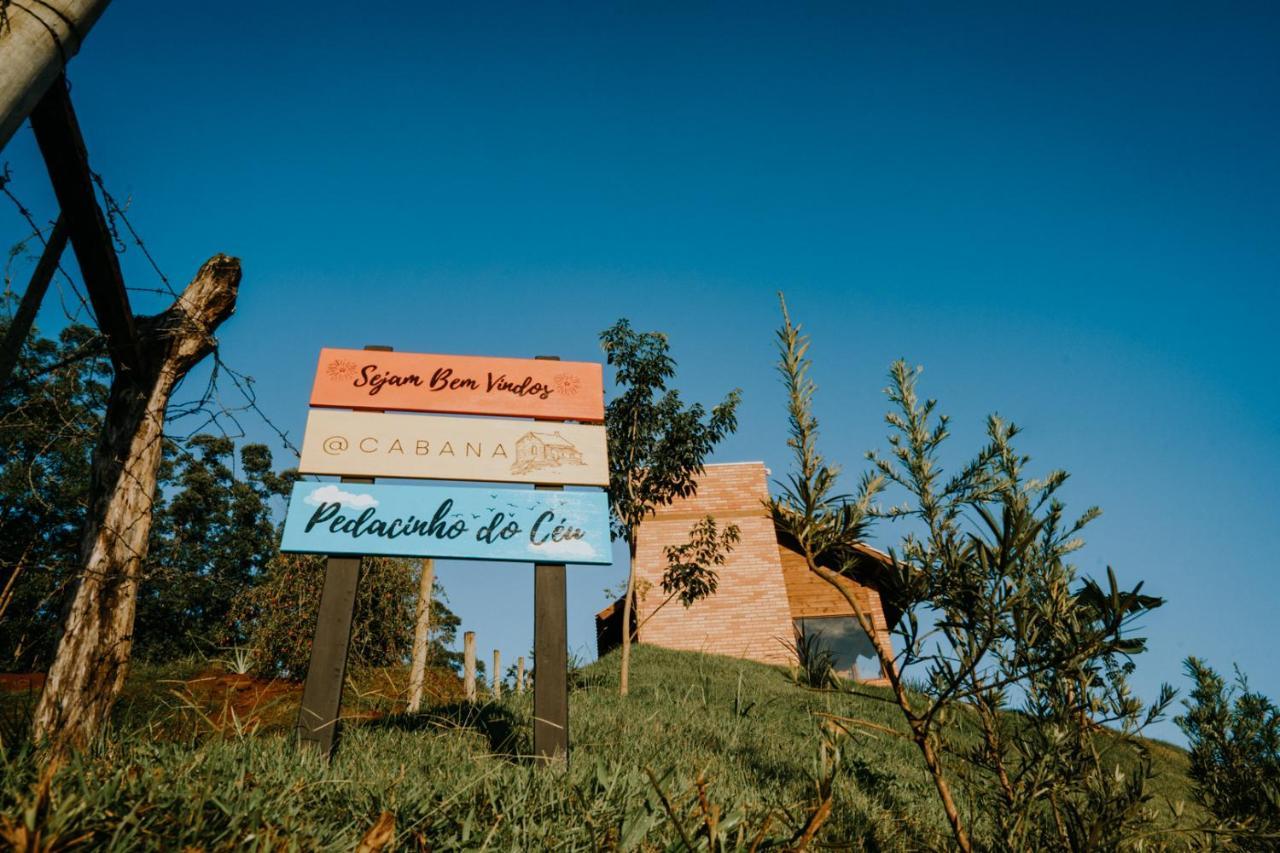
372,444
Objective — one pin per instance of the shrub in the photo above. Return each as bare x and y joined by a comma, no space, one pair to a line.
1235,753
279,613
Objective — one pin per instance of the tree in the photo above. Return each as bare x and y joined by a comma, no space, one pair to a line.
95,643
211,540
690,574
279,615
211,536
1234,735
1013,627
50,416
657,445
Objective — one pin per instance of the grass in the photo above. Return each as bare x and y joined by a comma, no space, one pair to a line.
704,747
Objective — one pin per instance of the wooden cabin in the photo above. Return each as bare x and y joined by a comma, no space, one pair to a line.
766,597
535,450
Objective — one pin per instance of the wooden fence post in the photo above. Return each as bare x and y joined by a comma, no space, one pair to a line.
421,635
469,665
520,674
25,316
496,681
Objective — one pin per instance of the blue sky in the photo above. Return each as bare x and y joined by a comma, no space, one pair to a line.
1067,216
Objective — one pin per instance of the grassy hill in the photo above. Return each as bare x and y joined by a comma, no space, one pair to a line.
704,746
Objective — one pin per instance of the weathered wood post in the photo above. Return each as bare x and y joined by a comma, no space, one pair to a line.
520,674
25,316
319,717
551,655
36,41
97,629
469,665
496,680
421,634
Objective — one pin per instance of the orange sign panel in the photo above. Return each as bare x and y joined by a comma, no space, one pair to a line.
471,385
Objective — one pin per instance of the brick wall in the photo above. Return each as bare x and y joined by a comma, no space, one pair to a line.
763,586
810,595
749,616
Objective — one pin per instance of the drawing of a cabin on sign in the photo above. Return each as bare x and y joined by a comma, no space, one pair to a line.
536,450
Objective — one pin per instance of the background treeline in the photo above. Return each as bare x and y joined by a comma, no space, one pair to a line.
214,582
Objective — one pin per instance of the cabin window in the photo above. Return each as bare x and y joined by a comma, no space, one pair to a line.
849,645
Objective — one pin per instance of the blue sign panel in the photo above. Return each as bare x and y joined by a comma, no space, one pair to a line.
447,521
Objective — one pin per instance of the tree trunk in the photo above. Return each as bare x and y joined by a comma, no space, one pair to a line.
421,634
36,40
624,681
97,627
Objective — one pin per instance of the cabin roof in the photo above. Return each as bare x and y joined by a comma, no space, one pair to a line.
550,438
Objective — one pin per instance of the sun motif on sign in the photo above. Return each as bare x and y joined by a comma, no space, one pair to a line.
341,369
566,383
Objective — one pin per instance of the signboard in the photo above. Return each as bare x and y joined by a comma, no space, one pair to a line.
448,521
364,379
369,444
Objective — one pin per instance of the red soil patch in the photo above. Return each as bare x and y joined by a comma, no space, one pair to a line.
224,701
225,698
21,682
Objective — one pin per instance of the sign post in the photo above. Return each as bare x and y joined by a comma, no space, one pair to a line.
318,717
550,656
349,434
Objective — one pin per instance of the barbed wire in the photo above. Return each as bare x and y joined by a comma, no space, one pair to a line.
221,411
117,212
6,178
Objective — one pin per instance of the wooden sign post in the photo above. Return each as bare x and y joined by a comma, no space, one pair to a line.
318,717
547,526
551,655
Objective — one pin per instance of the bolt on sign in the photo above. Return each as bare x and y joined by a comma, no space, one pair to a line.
542,425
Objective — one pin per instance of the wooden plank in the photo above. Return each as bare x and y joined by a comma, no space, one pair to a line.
58,135
551,664
470,385
327,670
320,714
498,450
551,655
448,521
31,299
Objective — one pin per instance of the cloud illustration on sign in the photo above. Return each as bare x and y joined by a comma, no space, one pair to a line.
334,495
560,550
